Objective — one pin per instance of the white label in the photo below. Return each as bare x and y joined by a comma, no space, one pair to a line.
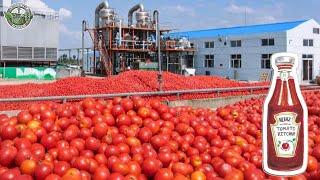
285,133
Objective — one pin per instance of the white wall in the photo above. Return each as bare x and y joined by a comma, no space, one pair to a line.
250,51
295,45
41,32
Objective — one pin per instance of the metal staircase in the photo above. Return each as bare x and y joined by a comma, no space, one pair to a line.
99,42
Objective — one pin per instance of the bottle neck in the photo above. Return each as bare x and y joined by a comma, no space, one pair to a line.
285,98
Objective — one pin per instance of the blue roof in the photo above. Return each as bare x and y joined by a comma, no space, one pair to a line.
251,29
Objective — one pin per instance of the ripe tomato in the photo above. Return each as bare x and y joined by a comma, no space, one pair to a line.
298,177
198,175
150,166
312,164
43,170
101,173
134,168
7,155
61,167
164,174
182,168
235,174
8,132
253,174
72,174
28,167
24,117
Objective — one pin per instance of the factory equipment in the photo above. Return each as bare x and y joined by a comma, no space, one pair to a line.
104,15
135,45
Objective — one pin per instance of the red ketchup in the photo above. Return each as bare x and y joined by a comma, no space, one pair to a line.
285,133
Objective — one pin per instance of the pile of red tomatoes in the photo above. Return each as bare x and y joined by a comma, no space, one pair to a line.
137,139
127,82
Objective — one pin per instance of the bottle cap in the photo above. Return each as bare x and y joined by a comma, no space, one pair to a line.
284,62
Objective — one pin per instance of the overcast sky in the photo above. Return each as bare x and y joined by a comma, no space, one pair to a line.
180,14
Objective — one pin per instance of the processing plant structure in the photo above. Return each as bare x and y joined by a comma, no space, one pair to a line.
134,45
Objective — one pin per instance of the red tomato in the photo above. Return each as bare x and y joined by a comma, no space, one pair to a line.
164,174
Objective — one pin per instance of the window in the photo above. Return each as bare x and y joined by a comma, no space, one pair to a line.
209,44
267,42
207,73
51,53
236,43
235,61
265,61
9,52
209,61
39,52
25,52
307,42
307,56
316,31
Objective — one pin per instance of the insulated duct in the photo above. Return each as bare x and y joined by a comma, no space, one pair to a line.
102,5
132,10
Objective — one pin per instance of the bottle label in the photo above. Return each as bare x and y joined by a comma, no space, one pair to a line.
285,133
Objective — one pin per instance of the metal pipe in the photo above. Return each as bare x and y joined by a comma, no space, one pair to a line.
102,5
84,27
120,32
156,20
132,10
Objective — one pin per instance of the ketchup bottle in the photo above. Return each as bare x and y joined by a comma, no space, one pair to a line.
285,118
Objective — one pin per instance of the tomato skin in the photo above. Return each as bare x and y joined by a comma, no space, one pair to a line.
298,177
150,166
182,168
28,167
198,175
116,176
71,174
312,164
254,174
224,169
164,174
278,178
43,170
101,173
61,167
234,175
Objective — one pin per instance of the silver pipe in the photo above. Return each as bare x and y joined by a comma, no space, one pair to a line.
84,27
156,20
132,10
120,32
102,5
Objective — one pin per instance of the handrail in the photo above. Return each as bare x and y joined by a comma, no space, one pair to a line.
155,93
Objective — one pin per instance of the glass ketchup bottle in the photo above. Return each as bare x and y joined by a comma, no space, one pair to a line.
285,118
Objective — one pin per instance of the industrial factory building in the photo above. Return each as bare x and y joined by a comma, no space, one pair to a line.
243,53
134,45
33,46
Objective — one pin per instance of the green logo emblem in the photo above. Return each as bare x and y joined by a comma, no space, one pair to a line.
18,16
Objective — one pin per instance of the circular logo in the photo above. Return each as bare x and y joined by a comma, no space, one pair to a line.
18,16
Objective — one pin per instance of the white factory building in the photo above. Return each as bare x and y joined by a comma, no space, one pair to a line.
243,52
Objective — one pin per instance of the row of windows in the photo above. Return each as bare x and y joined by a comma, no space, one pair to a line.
235,60
13,52
264,42
238,43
